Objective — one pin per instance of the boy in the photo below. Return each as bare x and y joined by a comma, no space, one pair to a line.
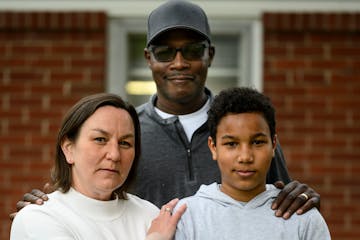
242,141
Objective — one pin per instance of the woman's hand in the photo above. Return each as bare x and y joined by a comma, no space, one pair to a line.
164,225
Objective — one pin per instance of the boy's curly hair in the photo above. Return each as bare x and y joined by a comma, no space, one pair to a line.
240,100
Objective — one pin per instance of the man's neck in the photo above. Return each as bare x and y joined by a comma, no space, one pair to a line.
180,108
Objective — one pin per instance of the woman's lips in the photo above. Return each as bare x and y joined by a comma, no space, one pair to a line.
110,170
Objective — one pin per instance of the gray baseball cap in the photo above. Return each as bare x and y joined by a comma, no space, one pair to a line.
175,14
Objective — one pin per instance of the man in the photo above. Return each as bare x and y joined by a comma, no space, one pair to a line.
175,157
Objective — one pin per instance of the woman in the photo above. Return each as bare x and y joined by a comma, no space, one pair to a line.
97,151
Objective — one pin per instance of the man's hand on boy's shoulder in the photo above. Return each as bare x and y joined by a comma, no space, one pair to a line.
294,197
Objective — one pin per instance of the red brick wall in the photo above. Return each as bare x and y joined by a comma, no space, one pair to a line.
47,62
312,73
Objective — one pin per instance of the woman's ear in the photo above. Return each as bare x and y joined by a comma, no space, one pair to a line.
67,148
212,147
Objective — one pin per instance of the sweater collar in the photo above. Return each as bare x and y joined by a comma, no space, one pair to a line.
92,208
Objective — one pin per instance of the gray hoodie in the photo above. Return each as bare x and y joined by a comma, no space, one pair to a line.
211,214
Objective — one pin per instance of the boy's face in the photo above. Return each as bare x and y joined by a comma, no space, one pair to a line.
243,150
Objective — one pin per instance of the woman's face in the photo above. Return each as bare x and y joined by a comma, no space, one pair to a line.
103,152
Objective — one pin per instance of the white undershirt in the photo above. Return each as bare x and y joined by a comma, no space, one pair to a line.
191,121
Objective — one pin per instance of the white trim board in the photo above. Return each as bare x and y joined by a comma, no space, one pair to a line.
214,8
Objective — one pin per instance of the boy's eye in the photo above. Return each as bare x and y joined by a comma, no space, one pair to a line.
230,144
100,139
259,142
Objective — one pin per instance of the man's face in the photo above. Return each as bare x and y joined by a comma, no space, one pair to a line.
179,80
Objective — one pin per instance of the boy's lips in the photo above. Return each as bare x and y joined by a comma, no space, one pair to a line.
245,173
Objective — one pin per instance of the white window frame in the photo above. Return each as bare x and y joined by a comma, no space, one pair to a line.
249,69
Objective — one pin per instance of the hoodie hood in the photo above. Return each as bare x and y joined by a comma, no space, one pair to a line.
213,192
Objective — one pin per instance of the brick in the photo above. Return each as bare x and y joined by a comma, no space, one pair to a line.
276,50
68,50
13,62
20,76
330,38
30,49
87,63
288,64
53,89
345,51
328,64
61,76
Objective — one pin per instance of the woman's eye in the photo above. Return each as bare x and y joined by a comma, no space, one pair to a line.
125,144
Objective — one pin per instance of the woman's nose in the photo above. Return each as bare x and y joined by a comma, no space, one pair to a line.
113,152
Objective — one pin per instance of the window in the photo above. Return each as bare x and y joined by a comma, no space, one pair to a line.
237,62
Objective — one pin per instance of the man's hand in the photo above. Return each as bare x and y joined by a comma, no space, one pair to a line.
34,197
294,197
164,225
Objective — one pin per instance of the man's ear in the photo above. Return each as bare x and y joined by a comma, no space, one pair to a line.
147,56
212,147
211,54
67,148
